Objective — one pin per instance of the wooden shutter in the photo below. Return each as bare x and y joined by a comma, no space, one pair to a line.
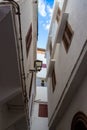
53,79
28,39
50,48
30,85
67,36
43,110
58,14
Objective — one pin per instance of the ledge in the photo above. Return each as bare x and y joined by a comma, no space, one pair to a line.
62,25
50,68
60,31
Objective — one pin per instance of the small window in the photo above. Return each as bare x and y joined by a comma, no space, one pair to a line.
28,39
67,36
42,82
30,85
53,79
43,110
58,14
50,48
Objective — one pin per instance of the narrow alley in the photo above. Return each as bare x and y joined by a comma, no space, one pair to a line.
43,64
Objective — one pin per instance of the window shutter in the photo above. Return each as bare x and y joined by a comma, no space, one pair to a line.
67,36
43,110
28,39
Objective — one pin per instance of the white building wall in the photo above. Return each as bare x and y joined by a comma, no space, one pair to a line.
28,14
26,8
39,122
77,104
41,94
41,97
65,62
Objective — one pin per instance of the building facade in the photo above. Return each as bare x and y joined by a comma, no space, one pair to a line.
18,38
66,55
40,105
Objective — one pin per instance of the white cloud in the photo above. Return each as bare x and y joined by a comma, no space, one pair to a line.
43,24
47,26
42,8
45,10
47,21
50,10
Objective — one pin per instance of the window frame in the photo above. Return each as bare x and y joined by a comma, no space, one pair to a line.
58,14
53,79
67,36
31,81
43,110
28,39
50,48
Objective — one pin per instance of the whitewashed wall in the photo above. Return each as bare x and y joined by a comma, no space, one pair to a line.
66,61
26,19
39,122
78,104
41,94
28,16
28,11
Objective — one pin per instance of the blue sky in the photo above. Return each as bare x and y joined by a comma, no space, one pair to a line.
45,8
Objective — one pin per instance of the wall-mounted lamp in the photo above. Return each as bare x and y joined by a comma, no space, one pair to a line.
37,66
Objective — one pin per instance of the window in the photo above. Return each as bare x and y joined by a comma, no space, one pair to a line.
42,82
50,48
31,85
28,39
43,110
58,14
67,36
53,79
79,121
